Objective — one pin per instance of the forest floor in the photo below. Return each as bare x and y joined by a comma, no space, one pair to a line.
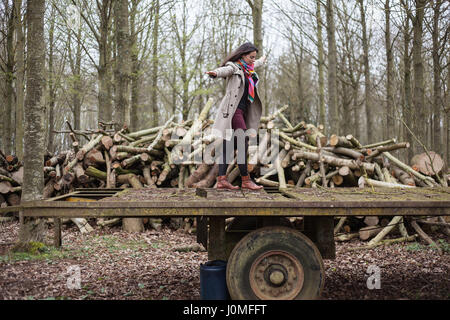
118,265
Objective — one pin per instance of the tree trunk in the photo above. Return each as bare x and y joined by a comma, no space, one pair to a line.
122,71
320,66
75,65
367,83
408,112
437,99
7,138
155,61
447,120
33,185
135,72
51,84
20,76
332,71
257,11
419,91
104,74
389,114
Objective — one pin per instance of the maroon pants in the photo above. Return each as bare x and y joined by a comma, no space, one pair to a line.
238,122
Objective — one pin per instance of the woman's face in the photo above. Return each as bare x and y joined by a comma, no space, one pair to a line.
249,58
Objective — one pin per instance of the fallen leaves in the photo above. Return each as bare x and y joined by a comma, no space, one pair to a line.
115,265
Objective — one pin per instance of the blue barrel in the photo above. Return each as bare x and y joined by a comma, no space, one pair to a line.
213,280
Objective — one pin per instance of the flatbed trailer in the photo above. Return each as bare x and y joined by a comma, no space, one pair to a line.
267,257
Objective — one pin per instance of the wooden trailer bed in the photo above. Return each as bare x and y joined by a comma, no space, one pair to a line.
266,257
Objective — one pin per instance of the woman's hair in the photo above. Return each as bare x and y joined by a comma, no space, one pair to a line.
244,49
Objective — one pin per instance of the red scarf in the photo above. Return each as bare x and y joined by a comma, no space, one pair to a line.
249,72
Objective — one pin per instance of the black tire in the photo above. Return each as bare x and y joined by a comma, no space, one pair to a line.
254,259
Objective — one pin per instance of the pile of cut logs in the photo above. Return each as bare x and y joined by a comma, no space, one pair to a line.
150,158
11,178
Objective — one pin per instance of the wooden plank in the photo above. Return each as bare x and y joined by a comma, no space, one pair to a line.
86,212
213,202
236,203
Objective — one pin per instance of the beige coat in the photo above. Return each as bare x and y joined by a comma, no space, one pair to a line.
228,105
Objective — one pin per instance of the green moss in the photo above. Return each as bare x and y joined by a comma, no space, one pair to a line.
36,247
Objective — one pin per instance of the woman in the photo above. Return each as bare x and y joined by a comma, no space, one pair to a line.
241,107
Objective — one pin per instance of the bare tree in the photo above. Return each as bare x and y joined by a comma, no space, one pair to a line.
332,72
7,68
122,63
389,112
33,180
20,76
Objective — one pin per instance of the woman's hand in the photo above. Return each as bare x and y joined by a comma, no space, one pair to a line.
263,59
211,73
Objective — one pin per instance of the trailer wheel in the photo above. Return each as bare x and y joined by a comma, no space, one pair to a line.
275,263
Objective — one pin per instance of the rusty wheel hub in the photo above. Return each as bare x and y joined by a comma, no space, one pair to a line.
276,275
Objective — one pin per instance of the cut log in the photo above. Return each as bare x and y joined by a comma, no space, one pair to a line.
385,231
368,232
354,141
339,225
428,180
306,172
109,222
11,159
321,166
5,187
338,179
80,175
424,236
346,237
18,176
363,182
13,199
148,178
337,162
134,225
107,142
93,158
210,178
379,144
371,220
10,180
422,163
313,133
392,147
348,176
337,141
296,142
88,147
96,173
197,175
346,152
280,172
402,176
164,173
82,225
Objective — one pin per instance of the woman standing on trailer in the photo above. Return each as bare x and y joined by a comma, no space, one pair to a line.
241,108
